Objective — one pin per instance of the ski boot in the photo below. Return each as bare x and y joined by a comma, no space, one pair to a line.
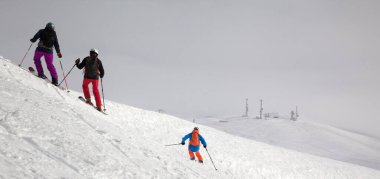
54,82
42,76
88,101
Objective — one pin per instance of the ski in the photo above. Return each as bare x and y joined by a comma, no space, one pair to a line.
84,100
197,161
32,71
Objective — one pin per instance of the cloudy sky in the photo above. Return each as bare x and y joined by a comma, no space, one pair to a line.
204,57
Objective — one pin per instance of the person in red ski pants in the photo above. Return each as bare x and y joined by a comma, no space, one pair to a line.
93,69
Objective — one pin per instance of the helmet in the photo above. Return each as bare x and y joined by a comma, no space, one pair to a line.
94,50
50,26
196,128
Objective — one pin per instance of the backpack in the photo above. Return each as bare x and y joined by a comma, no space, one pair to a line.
48,38
194,141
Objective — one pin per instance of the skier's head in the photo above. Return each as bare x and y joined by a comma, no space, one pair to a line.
94,53
50,26
196,130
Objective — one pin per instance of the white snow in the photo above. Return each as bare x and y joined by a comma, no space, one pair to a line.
303,136
48,133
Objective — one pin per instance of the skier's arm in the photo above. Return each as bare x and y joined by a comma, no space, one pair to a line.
37,36
101,69
56,44
82,64
203,141
186,137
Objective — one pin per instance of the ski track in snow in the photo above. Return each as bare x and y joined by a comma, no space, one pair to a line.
46,132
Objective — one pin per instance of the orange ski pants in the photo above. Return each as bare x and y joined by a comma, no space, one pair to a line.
199,156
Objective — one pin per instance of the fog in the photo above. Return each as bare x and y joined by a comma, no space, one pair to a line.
205,57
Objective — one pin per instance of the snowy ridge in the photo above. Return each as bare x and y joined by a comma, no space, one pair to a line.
304,136
48,133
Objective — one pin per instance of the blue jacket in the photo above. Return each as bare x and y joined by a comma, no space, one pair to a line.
192,147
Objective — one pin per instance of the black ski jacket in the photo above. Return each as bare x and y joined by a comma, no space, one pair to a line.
93,68
48,39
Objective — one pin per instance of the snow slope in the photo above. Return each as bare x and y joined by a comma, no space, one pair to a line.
48,133
304,136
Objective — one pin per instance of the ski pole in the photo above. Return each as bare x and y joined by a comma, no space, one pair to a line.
25,55
63,72
104,103
211,159
66,75
173,144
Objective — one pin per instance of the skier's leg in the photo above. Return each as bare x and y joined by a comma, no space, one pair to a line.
191,155
95,90
50,66
37,62
199,156
86,90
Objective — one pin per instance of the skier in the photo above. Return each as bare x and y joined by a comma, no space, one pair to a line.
194,138
48,39
93,70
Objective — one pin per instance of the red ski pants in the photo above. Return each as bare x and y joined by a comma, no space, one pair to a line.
95,90
199,156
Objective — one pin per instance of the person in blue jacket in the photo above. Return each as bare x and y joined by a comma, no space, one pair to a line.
195,139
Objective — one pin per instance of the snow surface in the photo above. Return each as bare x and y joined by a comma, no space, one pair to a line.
303,136
48,133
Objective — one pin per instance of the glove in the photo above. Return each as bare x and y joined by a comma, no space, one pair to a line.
101,75
31,40
77,61
183,143
59,55
205,146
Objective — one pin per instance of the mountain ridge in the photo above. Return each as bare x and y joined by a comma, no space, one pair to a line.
48,133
